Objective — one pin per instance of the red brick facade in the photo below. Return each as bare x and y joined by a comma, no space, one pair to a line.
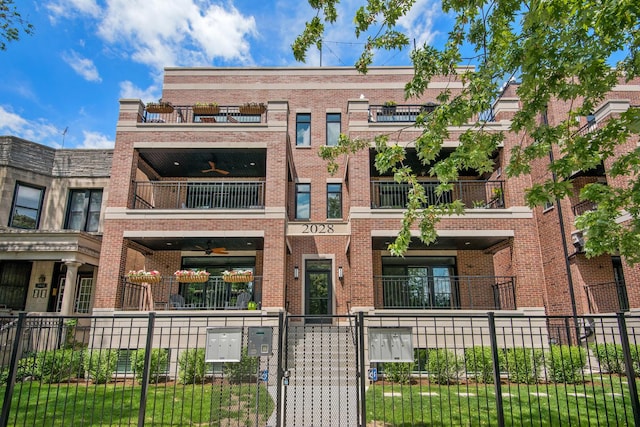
506,240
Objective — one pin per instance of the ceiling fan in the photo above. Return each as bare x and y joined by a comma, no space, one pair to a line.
214,169
209,250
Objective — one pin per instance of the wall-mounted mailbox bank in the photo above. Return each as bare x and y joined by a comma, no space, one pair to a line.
223,345
260,339
390,344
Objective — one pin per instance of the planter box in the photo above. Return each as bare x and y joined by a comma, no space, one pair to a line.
160,108
238,278
206,110
144,279
252,109
192,279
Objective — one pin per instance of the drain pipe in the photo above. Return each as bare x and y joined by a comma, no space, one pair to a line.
567,262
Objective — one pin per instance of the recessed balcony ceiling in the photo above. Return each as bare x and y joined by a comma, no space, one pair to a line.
461,243
200,243
175,163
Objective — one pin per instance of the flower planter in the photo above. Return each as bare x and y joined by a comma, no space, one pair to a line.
160,108
206,110
144,279
192,278
252,109
238,278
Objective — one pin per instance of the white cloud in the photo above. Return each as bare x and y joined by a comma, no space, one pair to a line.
162,33
83,66
70,8
419,22
96,140
38,130
131,91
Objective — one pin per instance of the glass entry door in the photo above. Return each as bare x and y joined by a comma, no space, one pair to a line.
318,289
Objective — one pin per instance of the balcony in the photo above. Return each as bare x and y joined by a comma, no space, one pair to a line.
215,294
199,195
474,194
398,113
584,206
610,297
445,293
185,114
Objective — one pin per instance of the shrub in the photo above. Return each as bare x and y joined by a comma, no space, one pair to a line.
523,365
100,364
635,357
610,357
398,372
444,366
420,358
479,363
191,366
157,367
565,363
243,371
53,366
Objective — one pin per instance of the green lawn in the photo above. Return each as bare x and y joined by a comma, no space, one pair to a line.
118,404
524,405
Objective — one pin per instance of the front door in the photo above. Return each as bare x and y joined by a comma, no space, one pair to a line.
318,289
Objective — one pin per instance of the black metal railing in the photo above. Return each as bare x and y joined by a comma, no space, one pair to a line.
447,292
168,294
609,297
474,194
398,113
584,206
199,194
225,114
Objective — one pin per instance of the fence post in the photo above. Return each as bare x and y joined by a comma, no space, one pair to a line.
628,362
145,372
362,377
13,367
280,369
496,368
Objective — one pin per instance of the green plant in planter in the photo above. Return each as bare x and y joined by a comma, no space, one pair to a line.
389,107
252,305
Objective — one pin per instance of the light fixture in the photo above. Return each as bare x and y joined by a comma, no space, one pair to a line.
42,278
340,273
296,272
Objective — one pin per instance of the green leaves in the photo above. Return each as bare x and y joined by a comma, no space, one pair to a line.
562,54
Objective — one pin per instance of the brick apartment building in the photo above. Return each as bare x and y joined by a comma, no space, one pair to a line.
239,185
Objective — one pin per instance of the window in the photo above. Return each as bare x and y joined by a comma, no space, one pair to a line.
303,130
334,200
303,201
14,283
27,203
333,128
83,212
83,295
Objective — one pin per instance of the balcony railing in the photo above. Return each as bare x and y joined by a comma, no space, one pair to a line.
610,297
452,292
398,113
474,194
185,114
215,294
199,195
584,206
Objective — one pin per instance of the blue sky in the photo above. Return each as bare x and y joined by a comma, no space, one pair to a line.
87,54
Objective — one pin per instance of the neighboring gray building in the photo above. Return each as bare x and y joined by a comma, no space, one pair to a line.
51,209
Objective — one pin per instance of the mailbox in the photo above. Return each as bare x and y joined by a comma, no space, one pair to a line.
260,341
223,345
390,344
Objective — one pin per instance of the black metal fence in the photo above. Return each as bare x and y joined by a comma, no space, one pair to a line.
365,369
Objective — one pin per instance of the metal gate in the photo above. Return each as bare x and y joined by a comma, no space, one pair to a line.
321,383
